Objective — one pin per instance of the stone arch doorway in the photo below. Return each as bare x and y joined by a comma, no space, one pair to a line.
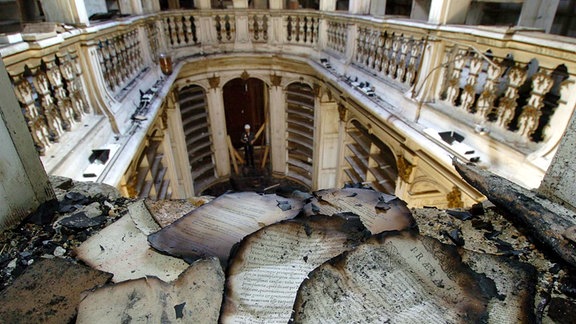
245,102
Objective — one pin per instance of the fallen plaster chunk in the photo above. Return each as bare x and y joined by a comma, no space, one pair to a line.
122,249
378,211
195,297
214,228
48,292
268,267
545,222
405,277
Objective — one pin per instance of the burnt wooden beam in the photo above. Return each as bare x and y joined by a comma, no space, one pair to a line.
546,222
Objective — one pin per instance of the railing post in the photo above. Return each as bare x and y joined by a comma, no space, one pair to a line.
352,42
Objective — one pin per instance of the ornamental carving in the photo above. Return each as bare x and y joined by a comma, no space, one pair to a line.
276,80
245,76
404,168
530,117
507,107
214,82
454,198
342,112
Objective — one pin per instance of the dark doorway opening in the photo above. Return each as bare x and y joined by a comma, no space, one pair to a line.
244,103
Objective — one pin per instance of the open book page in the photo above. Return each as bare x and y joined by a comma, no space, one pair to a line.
403,278
270,265
193,298
378,211
215,227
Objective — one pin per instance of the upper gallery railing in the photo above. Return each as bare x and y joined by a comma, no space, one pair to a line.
516,83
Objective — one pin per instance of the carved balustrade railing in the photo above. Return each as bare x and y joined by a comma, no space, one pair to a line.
181,29
519,92
52,95
510,90
301,28
153,35
389,52
336,36
120,56
258,26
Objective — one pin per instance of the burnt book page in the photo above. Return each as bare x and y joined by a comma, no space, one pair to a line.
122,249
269,265
378,211
403,278
166,212
215,227
515,286
193,298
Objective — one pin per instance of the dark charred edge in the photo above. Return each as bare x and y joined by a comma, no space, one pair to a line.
526,284
474,282
522,211
356,231
190,257
339,262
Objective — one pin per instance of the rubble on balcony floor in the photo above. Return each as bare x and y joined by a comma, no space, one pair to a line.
91,221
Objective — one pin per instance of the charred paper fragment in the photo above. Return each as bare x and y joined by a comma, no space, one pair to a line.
515,284
378,211
48,292
215,227
166,212
268,266
460,214
394,277
543,221
194,297
122,249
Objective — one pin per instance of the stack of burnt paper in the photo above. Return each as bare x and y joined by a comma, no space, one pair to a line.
341,255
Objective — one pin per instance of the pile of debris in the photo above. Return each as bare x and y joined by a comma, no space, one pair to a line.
93,256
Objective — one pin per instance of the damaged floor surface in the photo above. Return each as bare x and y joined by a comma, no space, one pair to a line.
337,255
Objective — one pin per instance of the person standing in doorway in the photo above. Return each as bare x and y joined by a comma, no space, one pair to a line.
248,140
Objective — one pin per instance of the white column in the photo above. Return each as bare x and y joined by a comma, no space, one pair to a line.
217,120
66,11
130,7
185,186
377,7
538,14
240,4
23,181
359,7
326,148
202,4
276,4
327,5
278,153
260,4
448,11
420,9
